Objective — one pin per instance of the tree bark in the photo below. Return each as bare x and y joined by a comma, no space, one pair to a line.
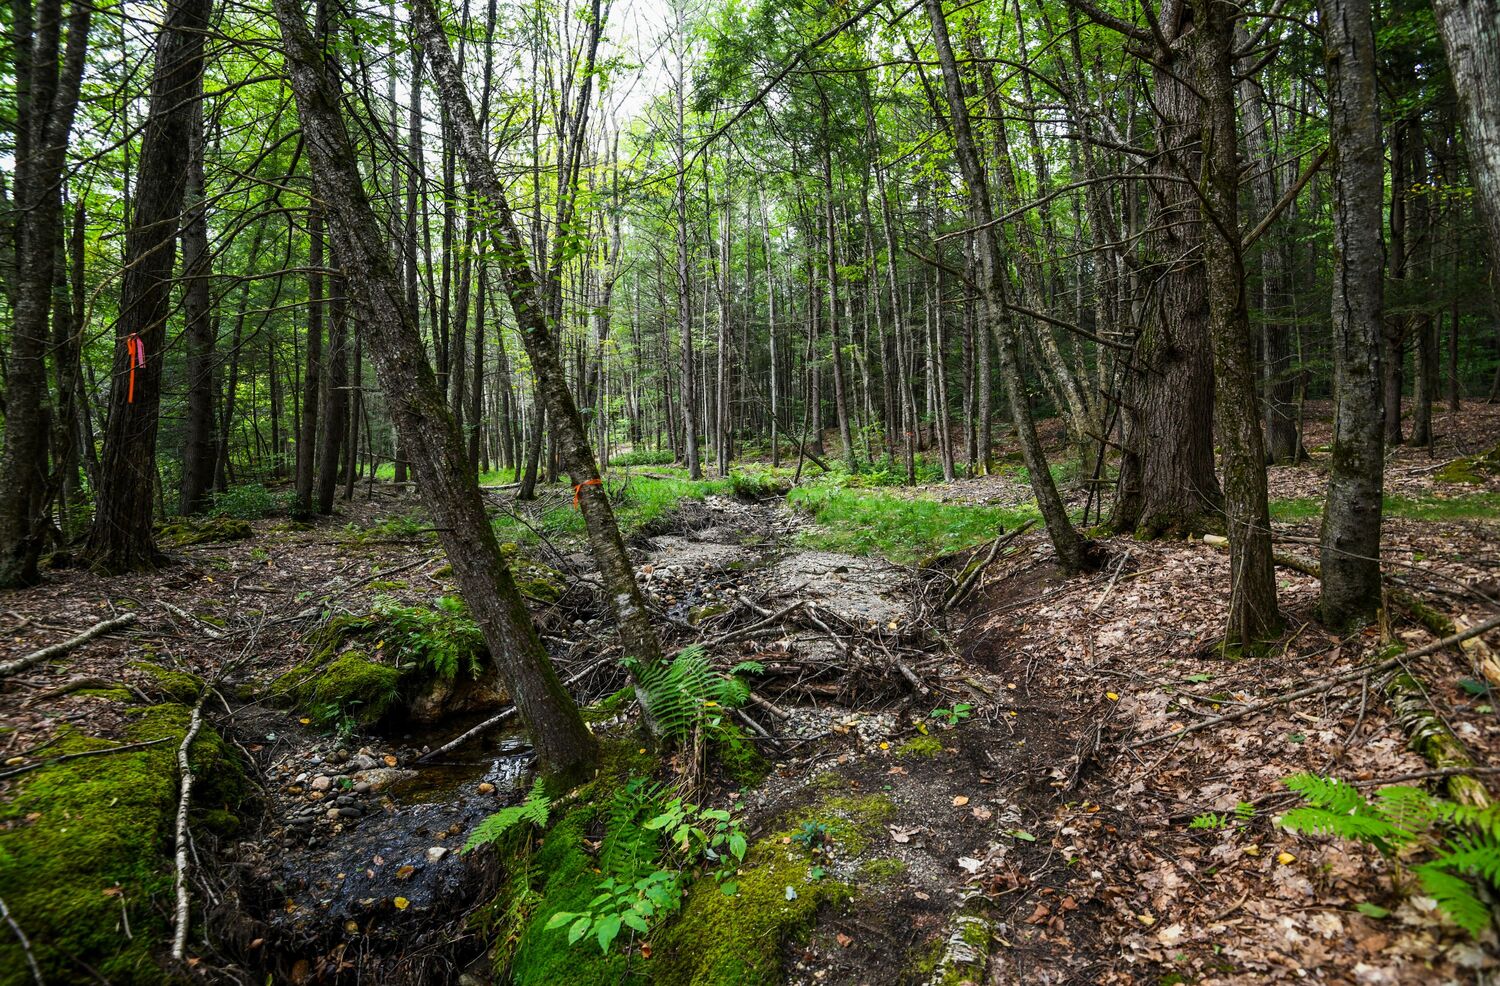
121,538
46,100
632,619
1253,616
563,742
1351,519
1074,554
198,447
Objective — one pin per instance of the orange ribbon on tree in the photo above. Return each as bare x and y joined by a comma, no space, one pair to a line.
135,354
596,481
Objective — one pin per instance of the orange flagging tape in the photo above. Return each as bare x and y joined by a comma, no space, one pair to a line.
135,355
596,481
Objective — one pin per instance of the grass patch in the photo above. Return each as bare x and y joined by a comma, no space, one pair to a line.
1463,506
903,530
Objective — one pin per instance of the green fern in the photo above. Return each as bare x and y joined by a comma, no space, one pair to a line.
534,810
686,695
443,637
1463,841
629,848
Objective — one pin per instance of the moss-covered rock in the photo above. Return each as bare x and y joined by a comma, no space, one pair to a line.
1473,470
423,663
350,688
87,842
739,940
210,530
882,870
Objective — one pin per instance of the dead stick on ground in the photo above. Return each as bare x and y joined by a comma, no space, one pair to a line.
500,717
725,638
56,650
208,631
1328,685
85,753
184,800
36,972
958,594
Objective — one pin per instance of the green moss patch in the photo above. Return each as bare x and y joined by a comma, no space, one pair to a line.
350,688
179,686
738,941
1473,470
921,746
882,870
87,842
210,530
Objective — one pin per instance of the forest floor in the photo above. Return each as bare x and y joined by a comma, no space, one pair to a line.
1054,813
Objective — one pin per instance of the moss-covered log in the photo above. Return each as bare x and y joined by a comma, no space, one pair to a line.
86,850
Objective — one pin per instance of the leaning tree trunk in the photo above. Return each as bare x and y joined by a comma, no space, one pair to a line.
1471,37
418,407
121,538
637,635
1253,616
1351,519
1074,554
44,106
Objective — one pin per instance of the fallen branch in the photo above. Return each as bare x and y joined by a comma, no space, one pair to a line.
1328,685
768,621
501,716
36,972
184,800
962,590
83,753
208,631
57,650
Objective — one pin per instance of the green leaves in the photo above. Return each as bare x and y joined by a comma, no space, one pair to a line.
534,810
1462,842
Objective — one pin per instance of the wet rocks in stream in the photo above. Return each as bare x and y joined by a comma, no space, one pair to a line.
364,855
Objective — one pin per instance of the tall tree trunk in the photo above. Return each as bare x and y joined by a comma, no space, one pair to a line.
1167,483
1253,616
199,332
335,409
312,377
1351,518
632,619
1471,37
1074,554
563,742
46,100
121,537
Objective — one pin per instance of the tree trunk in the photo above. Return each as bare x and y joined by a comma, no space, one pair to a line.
1471,37
46,99
1073,552
1351,519
1167,483
632,619
199,332
121,537
563,742
1253,616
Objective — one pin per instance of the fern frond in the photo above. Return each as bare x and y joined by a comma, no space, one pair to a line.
1327,792
1455,896
1475,853
534,810
1362,827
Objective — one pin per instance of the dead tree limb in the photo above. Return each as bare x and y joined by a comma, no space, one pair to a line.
962,590
57,650
1324,686
184,801
36,972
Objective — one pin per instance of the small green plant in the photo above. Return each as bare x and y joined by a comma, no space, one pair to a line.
622,904
1457,843
534,811
955,715
250,502
443,637
812,836
648,864
642,457
686,698
1244,814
